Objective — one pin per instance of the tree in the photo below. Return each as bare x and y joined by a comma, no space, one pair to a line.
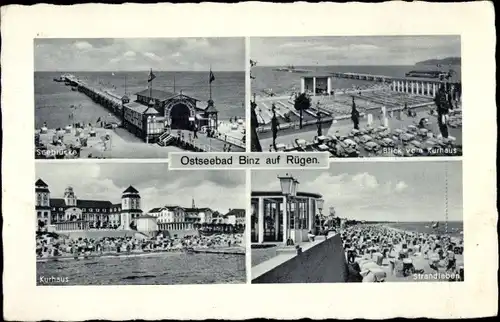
274,126
302,102
443,106
355,115
256,147
41,224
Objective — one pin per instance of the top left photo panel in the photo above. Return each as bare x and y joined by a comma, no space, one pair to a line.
138,98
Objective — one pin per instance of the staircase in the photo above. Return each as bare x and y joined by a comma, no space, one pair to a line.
165,139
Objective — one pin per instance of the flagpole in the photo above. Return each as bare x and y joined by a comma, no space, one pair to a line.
151,85
174,85
210,81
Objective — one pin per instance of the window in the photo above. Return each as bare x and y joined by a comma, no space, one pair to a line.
90,209
103,210
83,209
53,208
60,209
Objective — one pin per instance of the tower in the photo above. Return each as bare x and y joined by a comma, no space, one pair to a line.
69,197
42,204
131,207
192,203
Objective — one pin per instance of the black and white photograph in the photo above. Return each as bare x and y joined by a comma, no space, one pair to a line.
138,97
141,224
358,222
353,96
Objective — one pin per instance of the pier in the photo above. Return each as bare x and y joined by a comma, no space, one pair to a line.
108,100
151,118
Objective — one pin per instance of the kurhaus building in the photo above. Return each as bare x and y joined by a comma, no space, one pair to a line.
71,213
154,111
276,217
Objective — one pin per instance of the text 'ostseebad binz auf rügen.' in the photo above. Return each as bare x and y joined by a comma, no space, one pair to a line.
248,160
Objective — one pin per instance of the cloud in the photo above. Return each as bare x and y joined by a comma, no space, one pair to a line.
83,45
380,190
129,53
152,56
352,50
138,54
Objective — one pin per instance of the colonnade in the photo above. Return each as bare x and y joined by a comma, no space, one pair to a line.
423,88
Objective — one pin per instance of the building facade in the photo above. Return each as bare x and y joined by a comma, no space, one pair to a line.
155,111
72,213
276,217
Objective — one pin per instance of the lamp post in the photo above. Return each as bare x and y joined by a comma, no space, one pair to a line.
148,124
289,190
319,205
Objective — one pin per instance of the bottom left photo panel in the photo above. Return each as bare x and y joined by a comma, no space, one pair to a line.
138,223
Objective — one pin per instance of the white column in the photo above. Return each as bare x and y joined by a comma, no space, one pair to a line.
285,219
369,120
310,213
302,85
261,220
422,88
416,84
277,221
329,85
428,89
314,86
394,85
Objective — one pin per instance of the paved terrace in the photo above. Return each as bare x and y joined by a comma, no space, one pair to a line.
288,137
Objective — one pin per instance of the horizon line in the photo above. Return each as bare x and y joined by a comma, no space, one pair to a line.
146,71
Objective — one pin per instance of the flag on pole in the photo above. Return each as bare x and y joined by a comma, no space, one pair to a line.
252,63
151,76
211,78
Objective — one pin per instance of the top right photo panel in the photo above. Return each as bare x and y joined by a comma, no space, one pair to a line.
357,96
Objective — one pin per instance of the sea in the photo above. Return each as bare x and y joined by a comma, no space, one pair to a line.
283,83
53,100
164,269
455,228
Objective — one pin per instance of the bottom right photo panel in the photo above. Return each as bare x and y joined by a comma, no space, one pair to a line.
358,222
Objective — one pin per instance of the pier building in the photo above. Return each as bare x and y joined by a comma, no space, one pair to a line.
71,213
277,217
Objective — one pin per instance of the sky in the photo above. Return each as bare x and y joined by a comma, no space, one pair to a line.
352,50
158,186
380,191
139,54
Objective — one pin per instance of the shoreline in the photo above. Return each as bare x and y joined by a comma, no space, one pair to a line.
197,250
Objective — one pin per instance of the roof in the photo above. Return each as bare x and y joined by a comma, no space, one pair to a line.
40,183
196,209
151,110
145,216
131,189
236,212
279,193
156,94
93,204
211,108
57,202
156,210
137,107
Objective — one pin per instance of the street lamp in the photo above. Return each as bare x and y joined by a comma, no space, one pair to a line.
289,190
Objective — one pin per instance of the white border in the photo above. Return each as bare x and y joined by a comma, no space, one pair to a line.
477,296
